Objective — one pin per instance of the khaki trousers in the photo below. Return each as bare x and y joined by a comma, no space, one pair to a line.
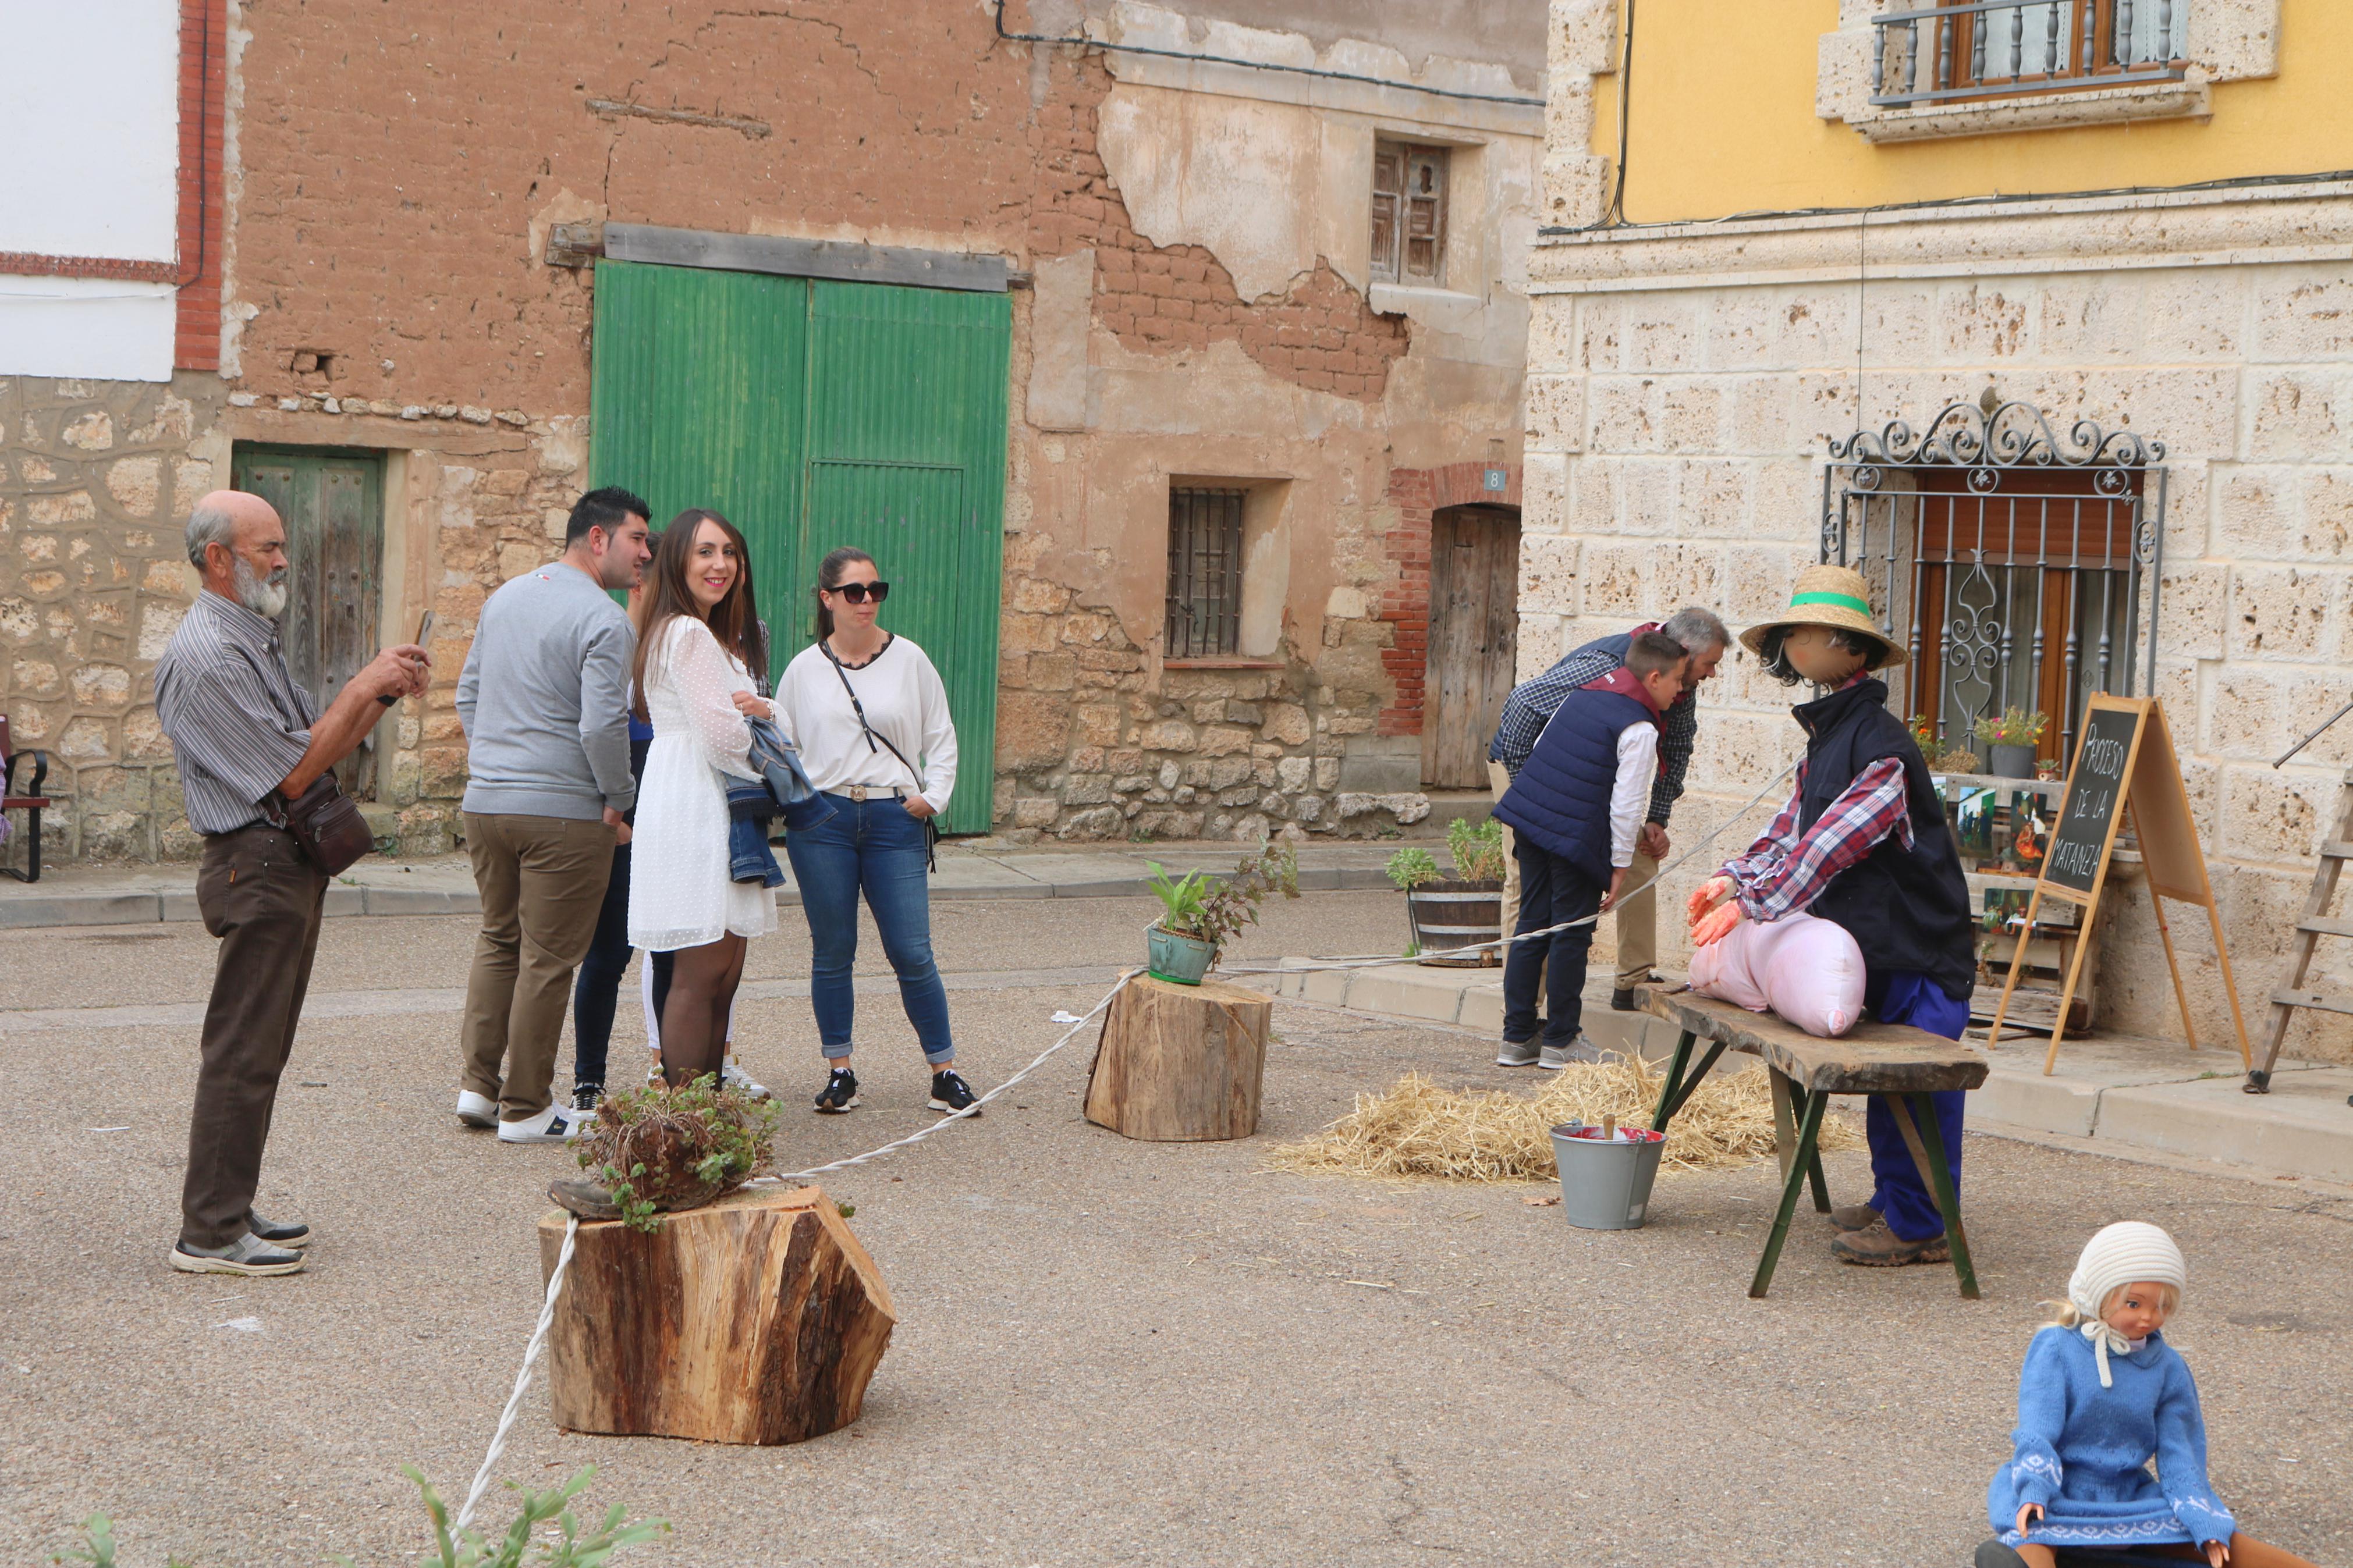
1637,917
542,880
261,896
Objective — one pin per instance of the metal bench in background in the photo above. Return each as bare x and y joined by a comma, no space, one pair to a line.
1902,1065
30,802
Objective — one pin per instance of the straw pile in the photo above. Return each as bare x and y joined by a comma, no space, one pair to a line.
1418,1128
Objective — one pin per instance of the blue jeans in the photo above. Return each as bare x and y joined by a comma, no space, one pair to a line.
1907,997
1551,890
872,846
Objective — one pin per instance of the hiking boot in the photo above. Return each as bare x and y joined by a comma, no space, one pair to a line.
951,1093
588,1097
1880,1247
1516,1054
476,1110
1853,1217
589,1200
248,1253
1552,1058
288,1233
839,1093
1621,1000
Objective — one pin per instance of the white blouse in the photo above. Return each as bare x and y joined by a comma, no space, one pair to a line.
905,701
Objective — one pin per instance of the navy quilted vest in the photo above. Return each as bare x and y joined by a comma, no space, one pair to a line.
1560,802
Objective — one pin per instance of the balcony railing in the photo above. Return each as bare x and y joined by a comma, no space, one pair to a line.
2002,48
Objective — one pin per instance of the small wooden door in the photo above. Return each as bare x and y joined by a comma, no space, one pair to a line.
331,501
1474,623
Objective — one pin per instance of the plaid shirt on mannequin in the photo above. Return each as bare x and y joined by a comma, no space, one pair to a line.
1785,871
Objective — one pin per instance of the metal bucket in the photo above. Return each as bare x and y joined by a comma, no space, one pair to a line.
1606,1187
1456,914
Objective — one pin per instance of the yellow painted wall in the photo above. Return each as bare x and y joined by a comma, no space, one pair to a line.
1724,121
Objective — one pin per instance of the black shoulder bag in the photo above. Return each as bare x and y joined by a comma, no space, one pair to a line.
930,823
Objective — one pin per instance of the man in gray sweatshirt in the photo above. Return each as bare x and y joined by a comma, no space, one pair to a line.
544,700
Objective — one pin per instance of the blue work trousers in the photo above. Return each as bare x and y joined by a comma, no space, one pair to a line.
1551,890
875,848
1907,997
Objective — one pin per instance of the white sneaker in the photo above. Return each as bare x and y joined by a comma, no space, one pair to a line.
1554,1059
556,1124
744,1083
476,1110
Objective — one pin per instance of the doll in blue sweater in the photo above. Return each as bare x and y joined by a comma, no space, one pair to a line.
2102,1394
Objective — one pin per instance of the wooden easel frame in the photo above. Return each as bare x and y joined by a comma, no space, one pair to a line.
2153,793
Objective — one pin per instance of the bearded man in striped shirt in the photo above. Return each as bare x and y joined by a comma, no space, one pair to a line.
1862,843
248,740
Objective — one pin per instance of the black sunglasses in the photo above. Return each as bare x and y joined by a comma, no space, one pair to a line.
857,592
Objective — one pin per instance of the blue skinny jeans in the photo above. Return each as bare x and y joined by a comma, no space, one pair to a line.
875,848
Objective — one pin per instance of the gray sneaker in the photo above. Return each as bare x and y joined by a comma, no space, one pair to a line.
248,1253
1552,1058
1516,1054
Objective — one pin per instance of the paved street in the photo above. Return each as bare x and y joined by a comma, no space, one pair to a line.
1109,1351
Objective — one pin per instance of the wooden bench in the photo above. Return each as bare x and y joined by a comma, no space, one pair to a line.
30,803
1902,1065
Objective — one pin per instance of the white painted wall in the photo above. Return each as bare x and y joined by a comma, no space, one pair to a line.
90,118
86,329
89,127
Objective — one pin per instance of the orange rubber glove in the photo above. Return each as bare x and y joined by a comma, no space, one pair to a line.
1716,924
1706,896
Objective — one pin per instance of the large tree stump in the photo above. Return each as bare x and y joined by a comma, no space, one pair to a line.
758,1319
1180,1063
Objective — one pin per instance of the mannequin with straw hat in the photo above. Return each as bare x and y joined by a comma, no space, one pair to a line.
1862,843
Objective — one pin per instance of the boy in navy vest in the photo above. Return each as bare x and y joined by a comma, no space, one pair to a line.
1575,811
1862,843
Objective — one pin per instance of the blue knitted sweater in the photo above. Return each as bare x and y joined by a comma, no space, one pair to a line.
2082,1451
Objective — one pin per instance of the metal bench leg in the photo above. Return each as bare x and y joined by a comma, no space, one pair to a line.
1917,1122
1810,1130
1668,1099
32,872
1788,1102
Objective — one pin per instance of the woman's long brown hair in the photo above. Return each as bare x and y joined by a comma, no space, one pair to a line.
735,620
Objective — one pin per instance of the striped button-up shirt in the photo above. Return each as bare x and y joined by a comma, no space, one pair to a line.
236,721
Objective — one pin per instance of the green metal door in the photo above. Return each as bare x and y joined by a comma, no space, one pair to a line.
331,502
814,415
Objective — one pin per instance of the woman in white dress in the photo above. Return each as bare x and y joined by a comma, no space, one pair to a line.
699,663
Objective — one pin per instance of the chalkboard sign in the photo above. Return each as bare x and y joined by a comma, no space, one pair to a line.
2125,761
2096,794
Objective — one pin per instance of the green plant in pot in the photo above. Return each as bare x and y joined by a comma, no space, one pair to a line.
2009,740
1199,912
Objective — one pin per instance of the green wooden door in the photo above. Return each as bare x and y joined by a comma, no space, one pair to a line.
331,501
814,415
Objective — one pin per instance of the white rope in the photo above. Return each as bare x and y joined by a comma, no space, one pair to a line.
1380,961
522,1379
572,1228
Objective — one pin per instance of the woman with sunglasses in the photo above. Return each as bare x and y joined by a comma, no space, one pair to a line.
870,717
699,662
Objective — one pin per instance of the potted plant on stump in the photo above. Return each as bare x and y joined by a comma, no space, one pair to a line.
1201,910
1466,911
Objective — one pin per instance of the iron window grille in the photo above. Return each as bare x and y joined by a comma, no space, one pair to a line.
1410,213
2014,569
1205,574
1967,49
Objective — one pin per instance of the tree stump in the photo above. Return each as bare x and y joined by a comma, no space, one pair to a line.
1180,1063
758,1319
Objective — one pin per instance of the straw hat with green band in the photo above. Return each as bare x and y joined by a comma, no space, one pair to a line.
1834,596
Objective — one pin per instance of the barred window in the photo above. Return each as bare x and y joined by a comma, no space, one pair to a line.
1410,213
1205,574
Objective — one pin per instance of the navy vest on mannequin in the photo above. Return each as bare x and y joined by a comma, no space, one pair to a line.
1560,801
1906,908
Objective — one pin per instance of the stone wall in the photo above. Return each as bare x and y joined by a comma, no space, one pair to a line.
1684,385
94,477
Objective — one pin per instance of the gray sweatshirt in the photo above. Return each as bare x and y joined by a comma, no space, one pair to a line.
544,700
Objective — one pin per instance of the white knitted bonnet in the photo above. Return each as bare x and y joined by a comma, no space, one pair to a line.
2128,1252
